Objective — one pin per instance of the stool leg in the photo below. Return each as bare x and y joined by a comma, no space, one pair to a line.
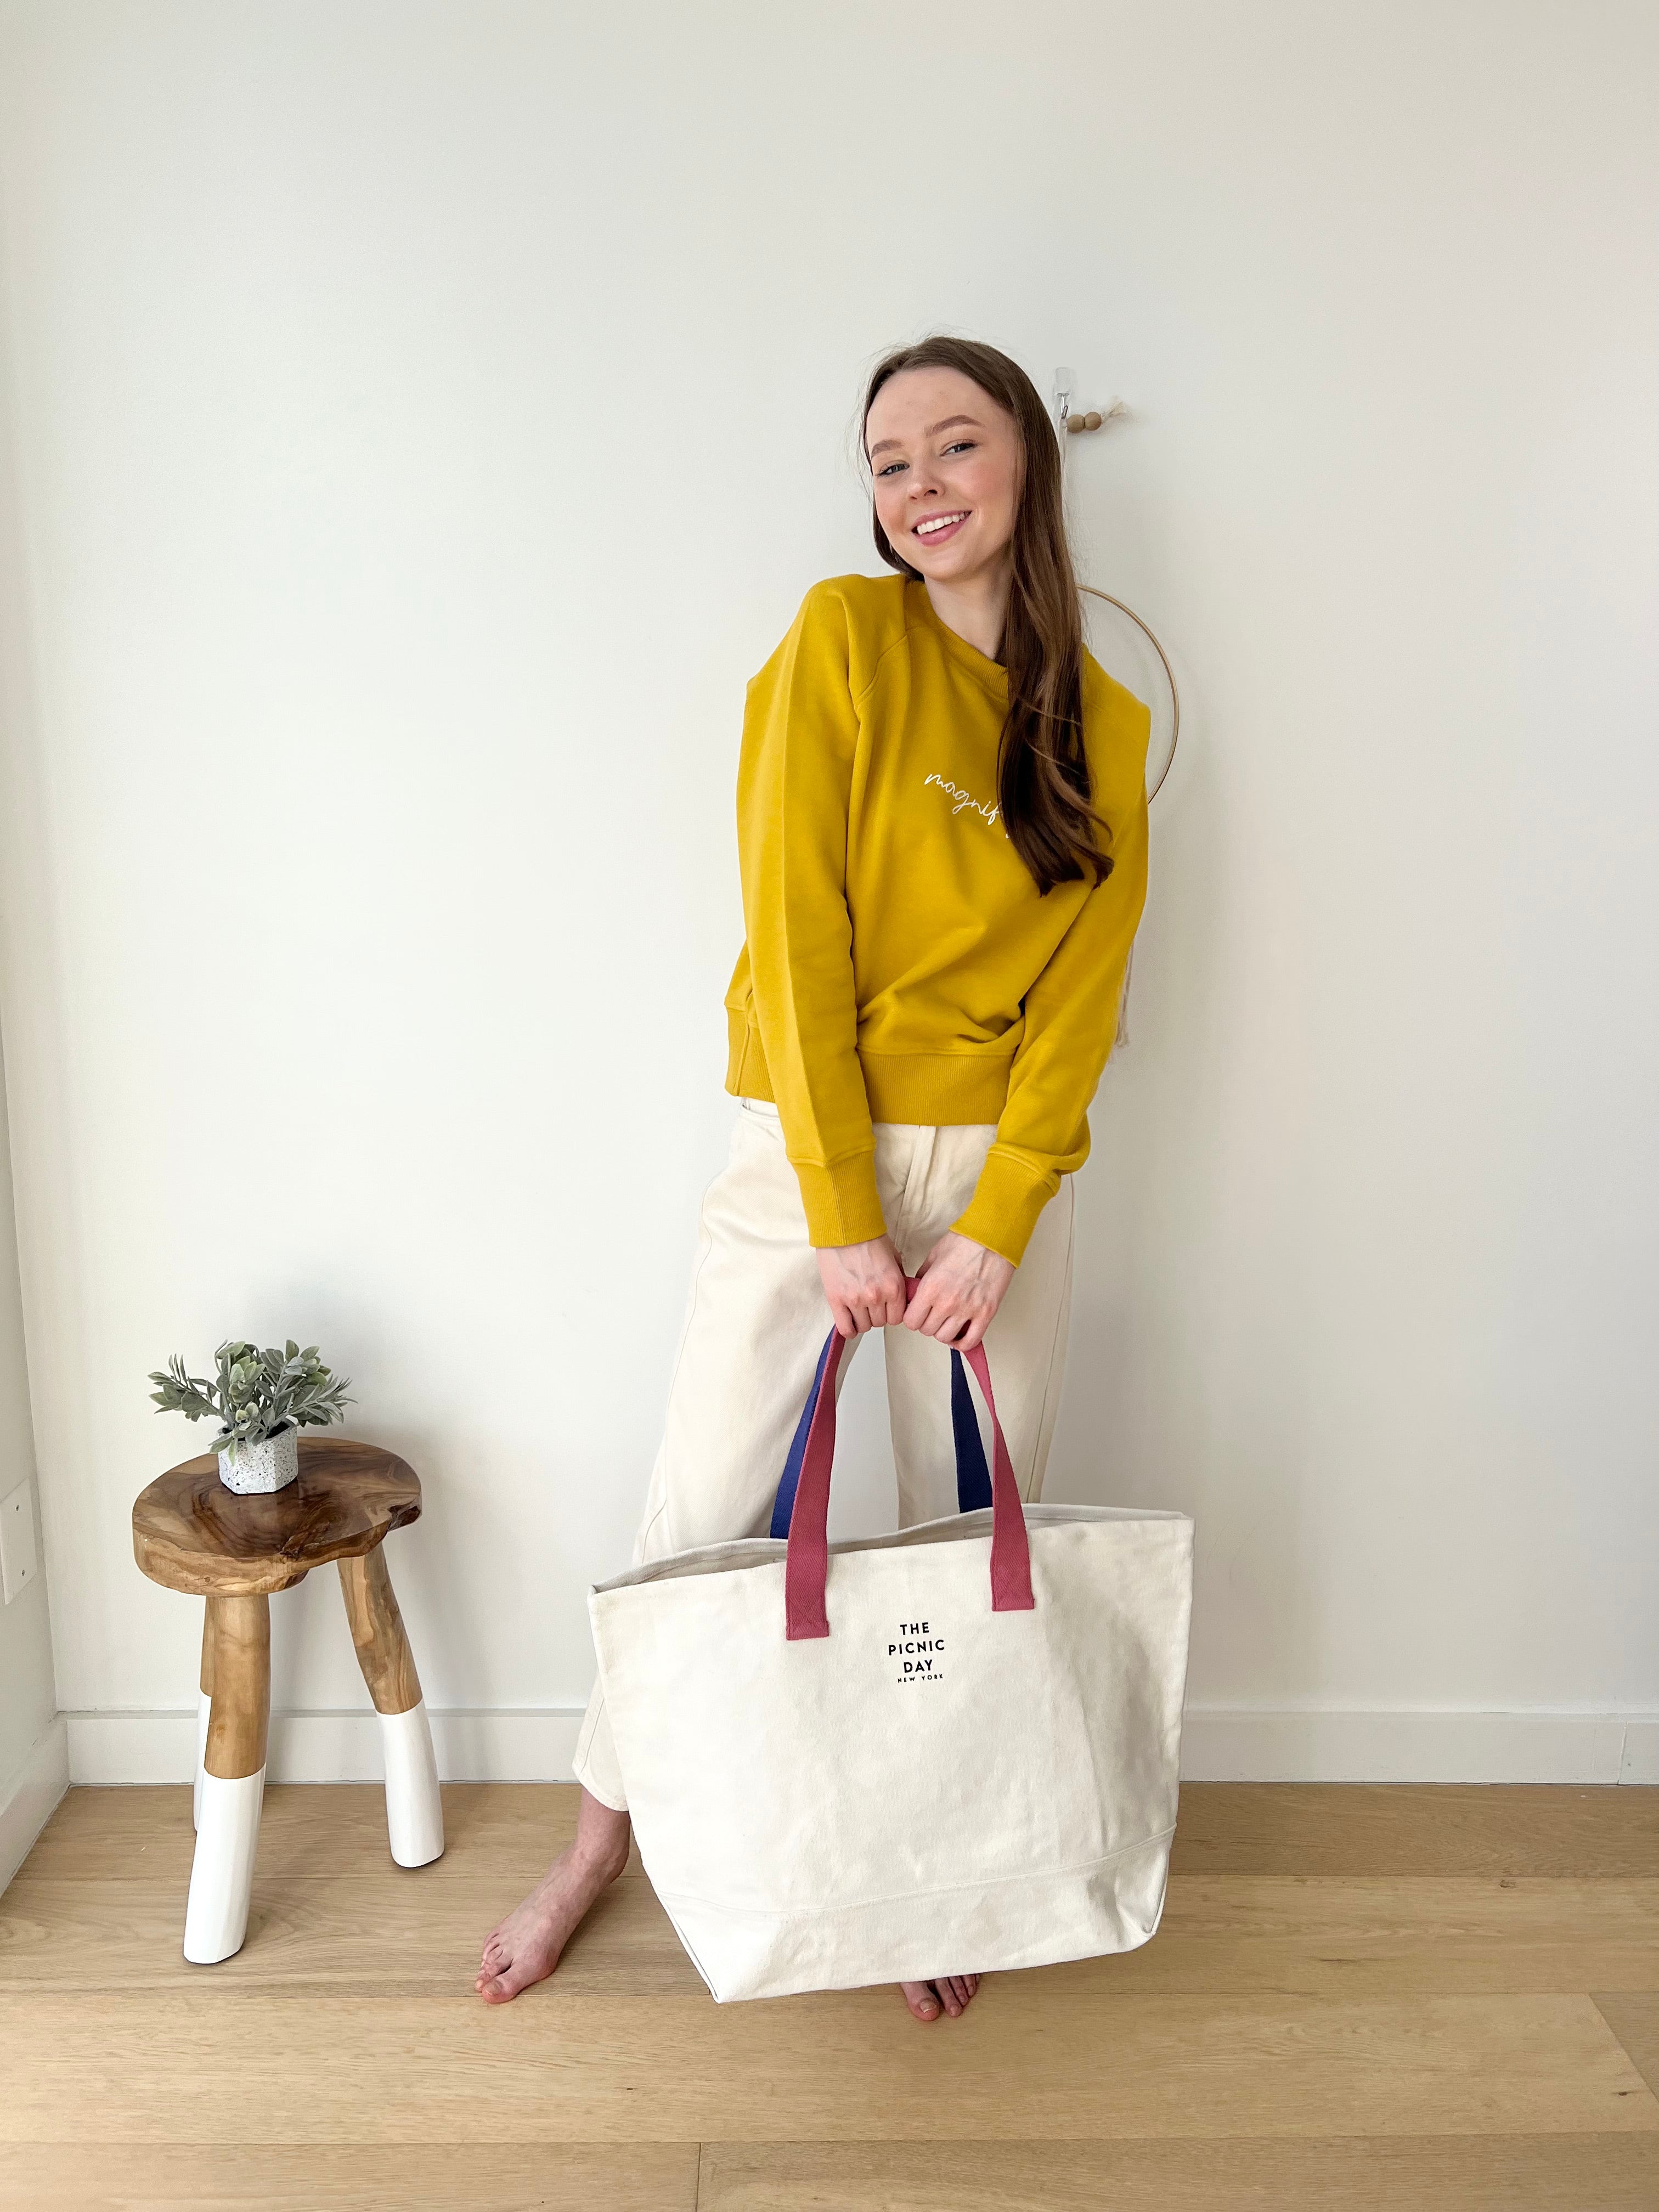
203,1707
233,1779
414,1808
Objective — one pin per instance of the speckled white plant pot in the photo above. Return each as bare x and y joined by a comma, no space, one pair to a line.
271,1464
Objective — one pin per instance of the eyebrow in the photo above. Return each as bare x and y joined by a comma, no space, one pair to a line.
949,423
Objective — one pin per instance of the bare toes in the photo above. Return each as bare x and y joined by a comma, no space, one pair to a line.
920,1996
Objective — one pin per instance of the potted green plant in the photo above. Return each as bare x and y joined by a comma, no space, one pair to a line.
261,1401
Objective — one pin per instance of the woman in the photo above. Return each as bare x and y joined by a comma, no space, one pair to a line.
942,835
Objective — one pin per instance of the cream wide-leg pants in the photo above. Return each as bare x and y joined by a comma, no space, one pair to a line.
755,1324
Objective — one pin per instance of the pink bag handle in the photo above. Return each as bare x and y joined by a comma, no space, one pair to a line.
806,1570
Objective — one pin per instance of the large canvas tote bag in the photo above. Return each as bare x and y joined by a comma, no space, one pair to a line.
944,1752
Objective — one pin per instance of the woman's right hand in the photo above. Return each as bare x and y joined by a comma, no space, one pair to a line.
864,1284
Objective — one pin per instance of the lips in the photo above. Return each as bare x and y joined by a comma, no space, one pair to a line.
935,529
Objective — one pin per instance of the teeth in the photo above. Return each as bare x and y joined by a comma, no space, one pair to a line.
938,522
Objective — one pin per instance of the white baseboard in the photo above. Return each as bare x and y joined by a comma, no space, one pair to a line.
1218,1744
502,1745
30,1798
1235,1744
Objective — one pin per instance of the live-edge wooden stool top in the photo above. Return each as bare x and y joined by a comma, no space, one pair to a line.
191,1534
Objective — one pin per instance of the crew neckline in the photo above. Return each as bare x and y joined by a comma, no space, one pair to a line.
991,674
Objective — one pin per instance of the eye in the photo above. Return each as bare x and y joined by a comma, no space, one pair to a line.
890,467
963,445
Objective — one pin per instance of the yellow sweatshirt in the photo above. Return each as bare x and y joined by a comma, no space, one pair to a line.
900,964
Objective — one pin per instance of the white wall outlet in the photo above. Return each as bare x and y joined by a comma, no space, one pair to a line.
19,1562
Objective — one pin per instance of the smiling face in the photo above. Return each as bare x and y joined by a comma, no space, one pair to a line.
946,464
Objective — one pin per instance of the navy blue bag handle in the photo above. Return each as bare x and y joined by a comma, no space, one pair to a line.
973,1475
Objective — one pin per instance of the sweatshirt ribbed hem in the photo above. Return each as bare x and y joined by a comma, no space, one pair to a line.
923,1087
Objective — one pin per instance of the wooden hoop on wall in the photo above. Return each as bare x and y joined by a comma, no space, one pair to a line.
1175,695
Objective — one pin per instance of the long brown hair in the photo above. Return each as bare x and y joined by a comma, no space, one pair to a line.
1042,772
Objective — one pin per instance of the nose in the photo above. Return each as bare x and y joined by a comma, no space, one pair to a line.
924,481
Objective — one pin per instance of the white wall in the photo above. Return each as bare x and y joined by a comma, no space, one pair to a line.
429,417
28,1700
33,1750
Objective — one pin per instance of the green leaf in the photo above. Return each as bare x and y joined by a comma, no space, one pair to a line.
256,1393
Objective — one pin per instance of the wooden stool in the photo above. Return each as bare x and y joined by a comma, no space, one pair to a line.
191,1534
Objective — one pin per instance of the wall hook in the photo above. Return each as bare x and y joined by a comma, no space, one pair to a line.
1069,416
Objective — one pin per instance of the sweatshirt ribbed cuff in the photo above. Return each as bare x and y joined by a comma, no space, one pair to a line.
842,1204
1007,1200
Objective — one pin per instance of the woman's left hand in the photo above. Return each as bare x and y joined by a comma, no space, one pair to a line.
959,1287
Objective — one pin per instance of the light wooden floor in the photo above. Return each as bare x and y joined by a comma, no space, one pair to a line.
1422,1998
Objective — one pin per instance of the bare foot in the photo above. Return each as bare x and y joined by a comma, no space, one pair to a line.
526,1947
952,1992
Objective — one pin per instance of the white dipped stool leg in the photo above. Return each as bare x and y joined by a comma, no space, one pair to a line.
414,1808
233,1779
222,1874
